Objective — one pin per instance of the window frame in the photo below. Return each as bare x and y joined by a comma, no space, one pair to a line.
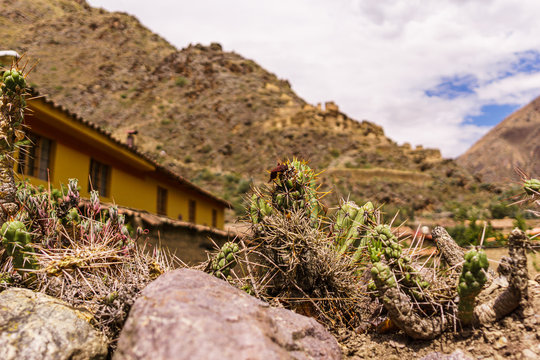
162,200
192,211
103,182
30,158
214,218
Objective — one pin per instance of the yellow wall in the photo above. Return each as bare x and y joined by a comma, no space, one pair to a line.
130,185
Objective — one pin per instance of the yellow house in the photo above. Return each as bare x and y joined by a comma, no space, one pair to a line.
66,146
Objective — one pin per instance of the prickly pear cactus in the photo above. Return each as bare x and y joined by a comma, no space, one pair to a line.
225,260
472,280
17,242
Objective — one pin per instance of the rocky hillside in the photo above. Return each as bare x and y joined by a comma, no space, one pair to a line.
515,142
214,116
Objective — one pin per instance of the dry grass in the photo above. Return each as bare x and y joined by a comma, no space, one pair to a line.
296,265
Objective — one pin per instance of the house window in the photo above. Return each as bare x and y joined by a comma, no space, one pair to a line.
99,177
161,201
192,210
34,159
214,218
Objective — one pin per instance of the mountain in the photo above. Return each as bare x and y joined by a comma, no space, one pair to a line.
514,142
213,116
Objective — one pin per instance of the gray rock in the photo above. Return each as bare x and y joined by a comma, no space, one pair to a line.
187,314
38,326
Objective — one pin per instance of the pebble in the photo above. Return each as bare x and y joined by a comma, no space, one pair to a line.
529,354
500,343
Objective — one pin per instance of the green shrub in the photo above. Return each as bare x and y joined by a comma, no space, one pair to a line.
520,223
335,153
181,81
472,234
500,210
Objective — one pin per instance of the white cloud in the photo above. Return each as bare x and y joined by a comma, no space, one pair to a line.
374,58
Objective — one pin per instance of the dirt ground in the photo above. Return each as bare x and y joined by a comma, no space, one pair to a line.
515,337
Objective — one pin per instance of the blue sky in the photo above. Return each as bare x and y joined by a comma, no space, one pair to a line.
491,115
488,115
436,73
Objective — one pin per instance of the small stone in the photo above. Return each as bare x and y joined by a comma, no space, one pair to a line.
529,354
500,343
396,344
456,355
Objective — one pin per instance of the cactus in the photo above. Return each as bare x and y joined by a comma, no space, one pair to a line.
383,276
225,260
383,244
349,223
259,209
472,280
295,188
516,294
17,242
12,105
531,186
13,83
304,256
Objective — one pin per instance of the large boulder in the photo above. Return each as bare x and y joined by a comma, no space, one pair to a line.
38,326
187,314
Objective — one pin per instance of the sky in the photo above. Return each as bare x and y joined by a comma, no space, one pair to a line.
433,73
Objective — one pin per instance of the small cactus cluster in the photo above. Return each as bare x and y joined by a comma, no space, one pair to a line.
225,260
293,188
17,243
472,280
42,207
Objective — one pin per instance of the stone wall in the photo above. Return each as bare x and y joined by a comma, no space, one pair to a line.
189,242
